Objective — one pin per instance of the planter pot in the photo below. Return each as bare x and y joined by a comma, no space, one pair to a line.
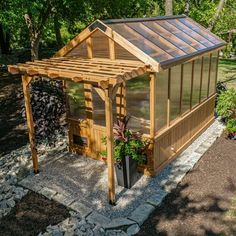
126,172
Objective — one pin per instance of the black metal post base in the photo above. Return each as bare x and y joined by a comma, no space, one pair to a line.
112,203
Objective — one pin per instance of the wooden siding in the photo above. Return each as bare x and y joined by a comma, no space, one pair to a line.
79,51
171,141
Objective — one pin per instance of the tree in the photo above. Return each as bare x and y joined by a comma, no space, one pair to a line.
4,41
36,26
168,7
217,14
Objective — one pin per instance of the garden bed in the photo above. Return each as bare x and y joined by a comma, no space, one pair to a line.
201,204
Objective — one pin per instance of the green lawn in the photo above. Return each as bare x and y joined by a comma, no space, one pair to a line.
227,72
230,215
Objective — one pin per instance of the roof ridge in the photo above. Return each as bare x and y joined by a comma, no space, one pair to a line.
124,20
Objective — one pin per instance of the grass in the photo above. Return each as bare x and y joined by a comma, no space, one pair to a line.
231,213
227,72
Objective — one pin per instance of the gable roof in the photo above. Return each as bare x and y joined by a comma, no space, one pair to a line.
158,41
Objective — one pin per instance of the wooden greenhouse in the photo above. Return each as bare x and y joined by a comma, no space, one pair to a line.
162,71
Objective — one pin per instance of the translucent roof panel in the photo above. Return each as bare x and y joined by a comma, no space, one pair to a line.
167,39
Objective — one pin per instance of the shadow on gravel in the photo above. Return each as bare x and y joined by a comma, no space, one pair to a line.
13,133
32,215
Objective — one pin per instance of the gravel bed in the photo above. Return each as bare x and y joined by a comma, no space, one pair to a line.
74,178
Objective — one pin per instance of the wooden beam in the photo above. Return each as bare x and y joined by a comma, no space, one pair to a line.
89,44
153,78
112,49
192,81
110,144
209,75
25,82
200,91
181,89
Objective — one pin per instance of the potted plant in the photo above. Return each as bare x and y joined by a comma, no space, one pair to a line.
129,151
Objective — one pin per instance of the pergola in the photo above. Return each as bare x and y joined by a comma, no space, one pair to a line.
104,75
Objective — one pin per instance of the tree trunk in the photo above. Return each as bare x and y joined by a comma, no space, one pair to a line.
187,7
168,7
57,27
34,42
217,15
4,41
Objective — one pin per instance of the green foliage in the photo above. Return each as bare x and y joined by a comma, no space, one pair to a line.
226,108
127,143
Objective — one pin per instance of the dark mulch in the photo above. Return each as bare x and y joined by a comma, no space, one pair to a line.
200,203
13,133
32,215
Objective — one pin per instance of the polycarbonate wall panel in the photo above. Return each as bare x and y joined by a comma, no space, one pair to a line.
186,89
138,103
196,81
161,90
205,76
76,100
175,92
214,62
99,115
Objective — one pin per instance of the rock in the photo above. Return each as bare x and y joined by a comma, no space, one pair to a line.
1,197
118,222
94,217
157,198
3,204
47,192
8,195
141,213
81,208
82,228
57,233
115,233
98,231
69,233
133,229
11,203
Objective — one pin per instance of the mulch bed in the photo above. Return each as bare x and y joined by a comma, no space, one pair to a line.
200,203
32,215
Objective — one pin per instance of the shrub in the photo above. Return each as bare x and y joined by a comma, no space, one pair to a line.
48,108
127,143
226,108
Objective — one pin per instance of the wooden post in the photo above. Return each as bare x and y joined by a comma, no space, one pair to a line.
169,98
192,81
152,77
25,81
110,159
209,75
112,49
181,89
200,91
89,47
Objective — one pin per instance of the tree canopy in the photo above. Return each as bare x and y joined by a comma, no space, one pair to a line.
52,23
